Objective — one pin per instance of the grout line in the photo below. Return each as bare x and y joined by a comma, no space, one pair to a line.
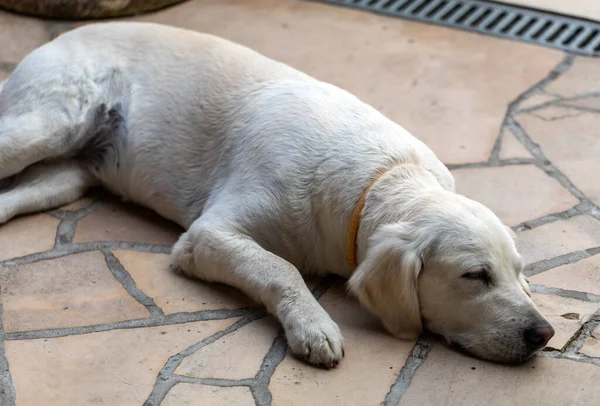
585,331
559,103
563,102
166,379
566,293
65,232
276,354
577,210
566,259
7,389
125,278
169,319
582,358
224,383
495,154
490,164
77,248
415,359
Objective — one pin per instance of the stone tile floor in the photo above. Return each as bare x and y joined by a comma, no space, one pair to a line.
92,315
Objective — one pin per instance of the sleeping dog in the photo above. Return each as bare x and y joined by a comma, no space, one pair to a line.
272,173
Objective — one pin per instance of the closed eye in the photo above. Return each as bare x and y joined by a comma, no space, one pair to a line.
479,275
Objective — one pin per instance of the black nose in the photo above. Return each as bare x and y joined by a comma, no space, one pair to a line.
538,335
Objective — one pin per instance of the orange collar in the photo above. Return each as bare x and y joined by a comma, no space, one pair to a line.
351,241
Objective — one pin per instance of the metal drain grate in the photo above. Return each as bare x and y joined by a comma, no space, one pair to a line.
570,34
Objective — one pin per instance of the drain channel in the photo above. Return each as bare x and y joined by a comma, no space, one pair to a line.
577,36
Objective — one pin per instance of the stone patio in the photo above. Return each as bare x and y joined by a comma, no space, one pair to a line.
91,313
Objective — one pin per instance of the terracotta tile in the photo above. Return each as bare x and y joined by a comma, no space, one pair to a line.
371,365
580,8
190,394
515,193
566,316
27,235
569,139
3,75
512,148
229,357
75,290
175,293
559,238
449,88
20,35
582,276
116,367
449,378
582,77
125,222
591,346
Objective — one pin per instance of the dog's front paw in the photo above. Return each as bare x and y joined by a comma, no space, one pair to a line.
317,339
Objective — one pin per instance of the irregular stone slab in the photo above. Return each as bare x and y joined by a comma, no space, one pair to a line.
449,88
581,78
449,378
582,276
173,292
536,100
566,316
85,9
559,238
569,138
116,367
27,235
126,222
516,193
512,148
76,290
591,346
371,365
190,394
237,356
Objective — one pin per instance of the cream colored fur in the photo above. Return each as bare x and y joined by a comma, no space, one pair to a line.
262,165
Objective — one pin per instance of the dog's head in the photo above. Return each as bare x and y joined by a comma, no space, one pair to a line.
452,267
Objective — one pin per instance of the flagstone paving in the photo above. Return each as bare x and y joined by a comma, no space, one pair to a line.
91,314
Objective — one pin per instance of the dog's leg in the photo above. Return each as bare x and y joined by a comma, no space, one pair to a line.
30,138
44,186
215,252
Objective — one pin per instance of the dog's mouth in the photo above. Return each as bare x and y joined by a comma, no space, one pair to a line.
515,359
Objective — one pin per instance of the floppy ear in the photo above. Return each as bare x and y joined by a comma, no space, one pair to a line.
510,231
386,280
